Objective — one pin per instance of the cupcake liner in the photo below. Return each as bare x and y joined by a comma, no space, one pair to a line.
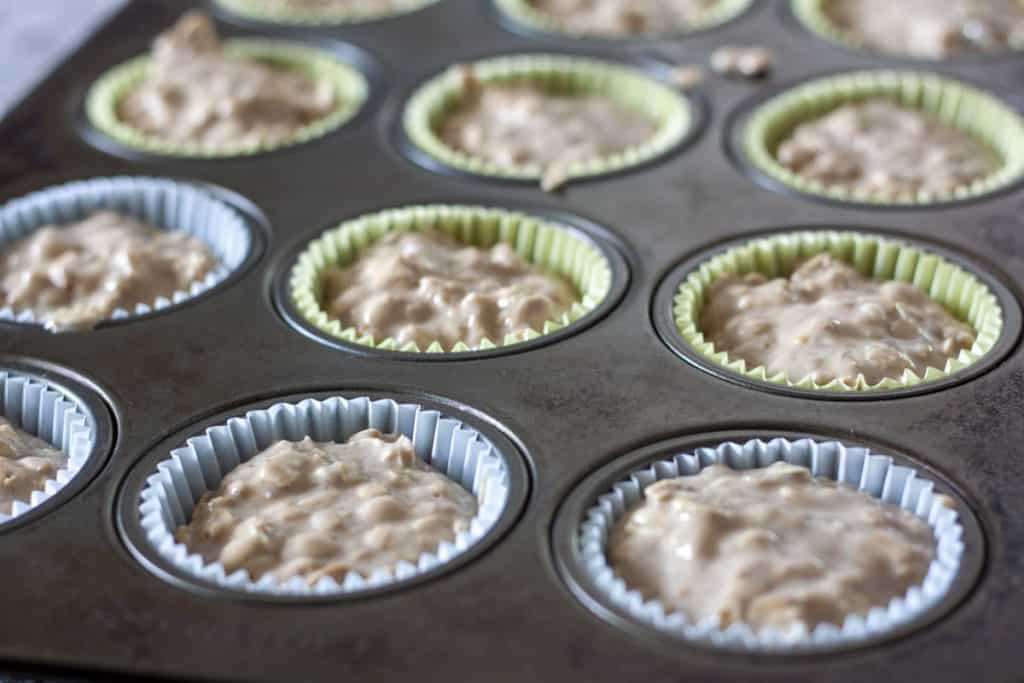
549,245
350,87
165,204
440,96
811,13
957,104
527,14
45,411
876,475
257,9
963,294
453,448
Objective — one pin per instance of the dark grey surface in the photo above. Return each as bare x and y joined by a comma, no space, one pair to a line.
73,598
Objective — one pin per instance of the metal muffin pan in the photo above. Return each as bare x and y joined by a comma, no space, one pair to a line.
77,602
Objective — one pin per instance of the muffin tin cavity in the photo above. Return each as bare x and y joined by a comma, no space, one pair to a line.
163,488
581,253
676,118
965,290
757,128
582,527
62,411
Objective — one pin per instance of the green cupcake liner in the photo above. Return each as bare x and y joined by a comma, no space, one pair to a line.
525,12
963,294
350,87
440,96
553,247
957,104
255,9
812,14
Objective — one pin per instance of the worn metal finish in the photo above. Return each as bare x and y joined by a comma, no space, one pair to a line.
73,599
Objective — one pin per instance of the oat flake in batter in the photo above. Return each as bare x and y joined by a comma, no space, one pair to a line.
772,546
827,321
619,18
878,148
26,463
930,29
317,510
423,287
73,276
195,94
515,126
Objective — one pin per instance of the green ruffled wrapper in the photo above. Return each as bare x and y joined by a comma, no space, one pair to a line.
444,94
957,104
526,13
964,295
554,248
351,90
259,11
813,15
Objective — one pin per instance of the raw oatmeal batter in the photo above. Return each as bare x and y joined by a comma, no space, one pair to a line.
617,18
424,287
26,463
315,510
827,321
881,149
930,29
520,125
768,547
194,93
73,276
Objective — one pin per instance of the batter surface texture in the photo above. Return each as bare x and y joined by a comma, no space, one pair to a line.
26,463
620,18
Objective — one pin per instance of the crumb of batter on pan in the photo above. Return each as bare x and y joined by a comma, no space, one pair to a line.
742,62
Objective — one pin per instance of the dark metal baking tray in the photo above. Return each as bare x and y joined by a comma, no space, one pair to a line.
75,604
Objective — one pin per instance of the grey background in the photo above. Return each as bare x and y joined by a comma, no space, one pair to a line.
36,34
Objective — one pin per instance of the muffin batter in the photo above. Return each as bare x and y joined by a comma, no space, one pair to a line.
324,509
333,6
75,275
881,149
768,547
829,322
426,287
522,125
929,29
620,18
196,94
26,463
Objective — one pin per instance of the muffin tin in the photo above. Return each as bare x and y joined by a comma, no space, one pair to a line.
578,410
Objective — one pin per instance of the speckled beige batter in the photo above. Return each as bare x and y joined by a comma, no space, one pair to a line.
354,6
72,276
768,547
522,125
930,29
195,94
424,287
318,510
617,18
827,321
26,463
880,149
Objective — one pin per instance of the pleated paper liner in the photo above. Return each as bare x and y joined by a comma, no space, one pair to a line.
439,97
957,104
198,465
350,88
813,14
162,203
874,474
965,296
47,412
526,13
266,11
553,247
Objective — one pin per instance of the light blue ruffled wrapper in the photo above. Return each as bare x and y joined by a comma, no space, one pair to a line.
449,446
876,475
162,203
